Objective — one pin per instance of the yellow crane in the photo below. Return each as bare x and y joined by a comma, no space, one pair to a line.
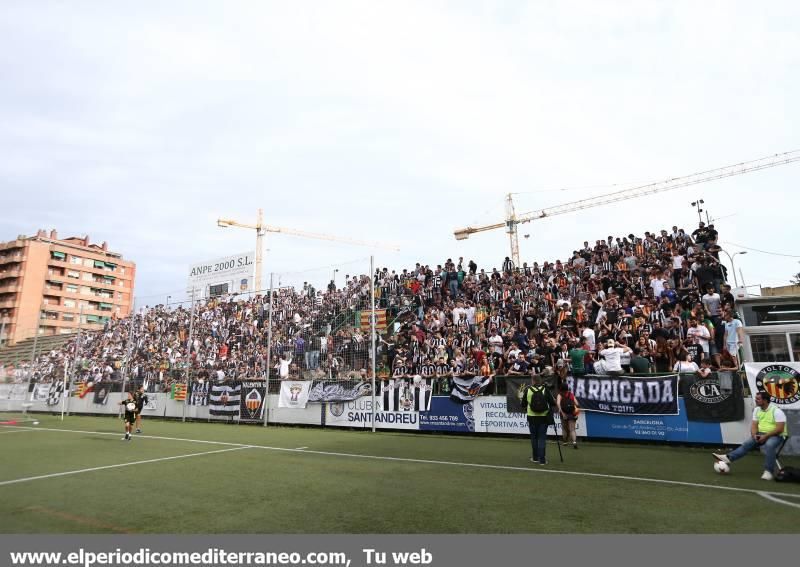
513,220
262,229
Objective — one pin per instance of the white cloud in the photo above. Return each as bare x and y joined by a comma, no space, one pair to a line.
140,123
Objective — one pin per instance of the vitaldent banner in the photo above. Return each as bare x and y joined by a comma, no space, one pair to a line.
780,380
626,396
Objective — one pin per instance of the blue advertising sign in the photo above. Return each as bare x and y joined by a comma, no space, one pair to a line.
444,415
653,427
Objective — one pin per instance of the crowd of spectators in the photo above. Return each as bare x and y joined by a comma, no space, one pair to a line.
651,303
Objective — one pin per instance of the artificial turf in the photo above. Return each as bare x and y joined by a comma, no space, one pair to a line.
423,487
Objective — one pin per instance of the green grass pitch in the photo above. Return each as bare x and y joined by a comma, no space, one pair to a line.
218,478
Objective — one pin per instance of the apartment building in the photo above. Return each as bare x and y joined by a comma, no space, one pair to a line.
54,286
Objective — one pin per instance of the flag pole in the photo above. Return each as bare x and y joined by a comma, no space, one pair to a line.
269,351
372,326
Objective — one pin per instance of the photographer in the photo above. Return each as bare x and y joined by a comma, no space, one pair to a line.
539,401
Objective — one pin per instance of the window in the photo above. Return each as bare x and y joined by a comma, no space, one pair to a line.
77,260
87,277
769,348
86,290
58,256
73,274
90,263
72,288
69,303
794,339
68,316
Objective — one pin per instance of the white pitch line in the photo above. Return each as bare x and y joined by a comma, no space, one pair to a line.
40,477
448,463
769,496
16,431
301,448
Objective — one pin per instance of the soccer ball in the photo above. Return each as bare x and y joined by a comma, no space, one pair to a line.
722,468
36,423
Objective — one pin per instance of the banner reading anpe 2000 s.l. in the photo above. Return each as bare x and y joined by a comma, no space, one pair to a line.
781,380
626,396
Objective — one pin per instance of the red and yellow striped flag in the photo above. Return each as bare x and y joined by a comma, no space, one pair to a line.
178,392
380,319
82,389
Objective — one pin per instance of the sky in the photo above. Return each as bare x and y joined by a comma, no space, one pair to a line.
141,123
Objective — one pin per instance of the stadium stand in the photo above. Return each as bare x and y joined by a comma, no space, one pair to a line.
640,292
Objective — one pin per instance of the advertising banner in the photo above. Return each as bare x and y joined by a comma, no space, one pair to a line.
294,394
358,413
780,380
492,416
653,427
231,274
706,399
445,415
626,396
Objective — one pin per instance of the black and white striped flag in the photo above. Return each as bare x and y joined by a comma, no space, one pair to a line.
55,393
466,390
406,394
224,399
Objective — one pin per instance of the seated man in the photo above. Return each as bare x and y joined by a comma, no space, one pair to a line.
768,429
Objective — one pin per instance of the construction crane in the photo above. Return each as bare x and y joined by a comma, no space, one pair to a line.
513,220
262,229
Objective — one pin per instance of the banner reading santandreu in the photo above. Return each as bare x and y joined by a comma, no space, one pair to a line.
627,396
706,400
253,394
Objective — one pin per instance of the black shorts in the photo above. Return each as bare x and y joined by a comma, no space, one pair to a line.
139,410
130,417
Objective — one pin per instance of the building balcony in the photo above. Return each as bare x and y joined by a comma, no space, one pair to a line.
10,245
10,258
10,288
10,273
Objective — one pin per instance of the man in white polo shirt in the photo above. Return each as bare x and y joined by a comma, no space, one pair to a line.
612,358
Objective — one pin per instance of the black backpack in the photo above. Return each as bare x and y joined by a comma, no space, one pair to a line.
539,400
568,404
788,474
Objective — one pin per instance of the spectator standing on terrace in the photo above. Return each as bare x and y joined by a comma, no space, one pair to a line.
612,358
685,365
734,334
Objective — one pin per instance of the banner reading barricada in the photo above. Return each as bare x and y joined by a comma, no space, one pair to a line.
626,395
